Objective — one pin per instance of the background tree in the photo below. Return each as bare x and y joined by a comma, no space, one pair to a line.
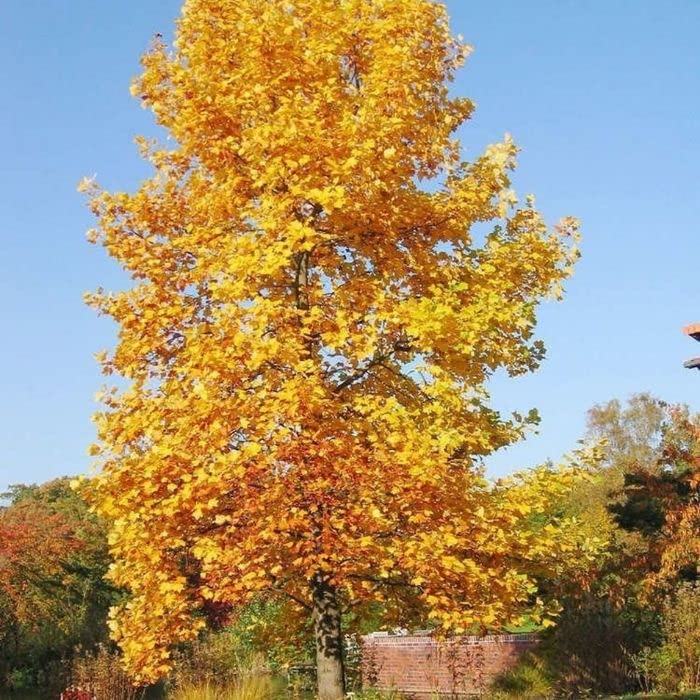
310,332
629,435
661,503
632,432
642,500
634,436
53,558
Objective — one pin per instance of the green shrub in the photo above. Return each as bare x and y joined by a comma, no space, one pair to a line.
674,666
20,679
531,678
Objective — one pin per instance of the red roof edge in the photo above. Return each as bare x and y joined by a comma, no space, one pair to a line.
693,330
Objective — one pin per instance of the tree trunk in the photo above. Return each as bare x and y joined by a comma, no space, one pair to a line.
329,640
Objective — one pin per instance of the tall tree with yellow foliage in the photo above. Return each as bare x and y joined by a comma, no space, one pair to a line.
310,331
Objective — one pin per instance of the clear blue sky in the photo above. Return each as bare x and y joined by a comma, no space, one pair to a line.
603,96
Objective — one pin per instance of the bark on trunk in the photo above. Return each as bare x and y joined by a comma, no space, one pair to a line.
329,640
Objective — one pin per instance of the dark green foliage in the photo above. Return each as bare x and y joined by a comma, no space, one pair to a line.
645,495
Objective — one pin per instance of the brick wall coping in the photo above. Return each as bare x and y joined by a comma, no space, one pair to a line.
382,638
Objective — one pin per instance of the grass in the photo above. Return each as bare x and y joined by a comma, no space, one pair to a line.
372,694
259,687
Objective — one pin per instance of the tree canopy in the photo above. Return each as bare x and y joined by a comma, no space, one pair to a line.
312,324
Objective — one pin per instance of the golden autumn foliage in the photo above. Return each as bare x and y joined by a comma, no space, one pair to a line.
311,327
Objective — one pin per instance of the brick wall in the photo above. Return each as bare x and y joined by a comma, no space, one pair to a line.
420,665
